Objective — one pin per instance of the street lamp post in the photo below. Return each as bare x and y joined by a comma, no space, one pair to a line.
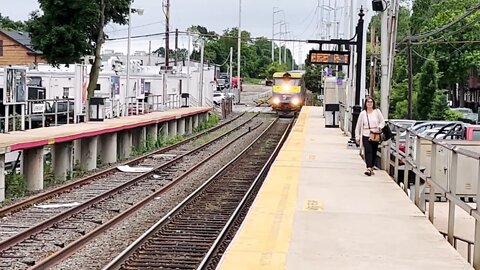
139,11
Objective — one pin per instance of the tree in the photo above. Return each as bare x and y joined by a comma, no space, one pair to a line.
454,60
428,86
66,31
274,67
10,25
313,78
439,106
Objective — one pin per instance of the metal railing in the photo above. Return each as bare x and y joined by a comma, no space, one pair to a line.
413,162
40,113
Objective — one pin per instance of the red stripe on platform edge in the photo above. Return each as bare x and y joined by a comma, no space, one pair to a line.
27,145
196,112
33,144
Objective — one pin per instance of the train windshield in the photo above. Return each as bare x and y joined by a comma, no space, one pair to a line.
290,82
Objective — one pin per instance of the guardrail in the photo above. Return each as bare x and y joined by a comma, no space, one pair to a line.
40,113
412,162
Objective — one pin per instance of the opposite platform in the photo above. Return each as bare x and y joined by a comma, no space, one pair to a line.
19,140
316,210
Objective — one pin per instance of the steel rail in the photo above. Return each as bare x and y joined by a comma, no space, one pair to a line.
86,180
67,251
62,216
117,262
212,251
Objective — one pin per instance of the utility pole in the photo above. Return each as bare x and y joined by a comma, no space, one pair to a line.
150,53
176,46
385,89
239,56
372,61
167,34
410,79
293,58
230,71
188,61
200,90
280,47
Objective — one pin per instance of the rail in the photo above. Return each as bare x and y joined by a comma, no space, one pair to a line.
412,159
132,248
69,249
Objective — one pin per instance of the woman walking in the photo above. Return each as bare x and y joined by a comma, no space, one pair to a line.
368,132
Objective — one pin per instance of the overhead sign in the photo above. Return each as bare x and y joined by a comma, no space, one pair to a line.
15,86
329,57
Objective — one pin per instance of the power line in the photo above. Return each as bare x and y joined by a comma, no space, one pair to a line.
211,36
135,27
446,26
448,42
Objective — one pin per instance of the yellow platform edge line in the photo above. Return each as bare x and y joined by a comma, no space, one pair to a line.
263,239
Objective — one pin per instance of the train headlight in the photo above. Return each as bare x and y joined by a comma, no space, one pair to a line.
295,101
286,88
276,101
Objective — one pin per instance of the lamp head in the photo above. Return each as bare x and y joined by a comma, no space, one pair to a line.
377,5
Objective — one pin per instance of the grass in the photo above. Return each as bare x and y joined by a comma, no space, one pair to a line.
15,185
254,81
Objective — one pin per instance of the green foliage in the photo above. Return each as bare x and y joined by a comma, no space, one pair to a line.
313,78
8,24
256,54
65,31
254,81
274,67
78,170
212,121
454,60
428,86
439,106
452,115
15,185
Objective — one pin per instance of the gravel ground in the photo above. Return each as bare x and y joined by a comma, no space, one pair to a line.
100,168
63,233
103,249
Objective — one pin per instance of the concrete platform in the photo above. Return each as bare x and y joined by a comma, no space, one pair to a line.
316,210
19,140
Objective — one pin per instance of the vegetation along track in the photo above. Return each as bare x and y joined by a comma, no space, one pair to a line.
105,200
189,235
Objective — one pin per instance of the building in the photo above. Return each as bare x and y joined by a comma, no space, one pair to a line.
15,49
472,96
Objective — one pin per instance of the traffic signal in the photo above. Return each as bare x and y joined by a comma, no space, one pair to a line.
377,5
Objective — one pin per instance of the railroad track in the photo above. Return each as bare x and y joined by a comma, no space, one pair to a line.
189,236
44,196
106,209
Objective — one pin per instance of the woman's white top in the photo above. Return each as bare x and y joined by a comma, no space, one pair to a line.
376,120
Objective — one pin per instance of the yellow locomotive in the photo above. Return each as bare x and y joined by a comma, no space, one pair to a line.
288,92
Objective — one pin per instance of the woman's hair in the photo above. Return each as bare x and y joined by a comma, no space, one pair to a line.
365,103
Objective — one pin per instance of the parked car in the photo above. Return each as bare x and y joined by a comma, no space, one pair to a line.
403,123
462,110
218,97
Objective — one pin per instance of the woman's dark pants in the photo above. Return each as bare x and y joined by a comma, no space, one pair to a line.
370,151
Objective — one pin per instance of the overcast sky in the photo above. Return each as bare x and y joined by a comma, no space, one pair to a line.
302,17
